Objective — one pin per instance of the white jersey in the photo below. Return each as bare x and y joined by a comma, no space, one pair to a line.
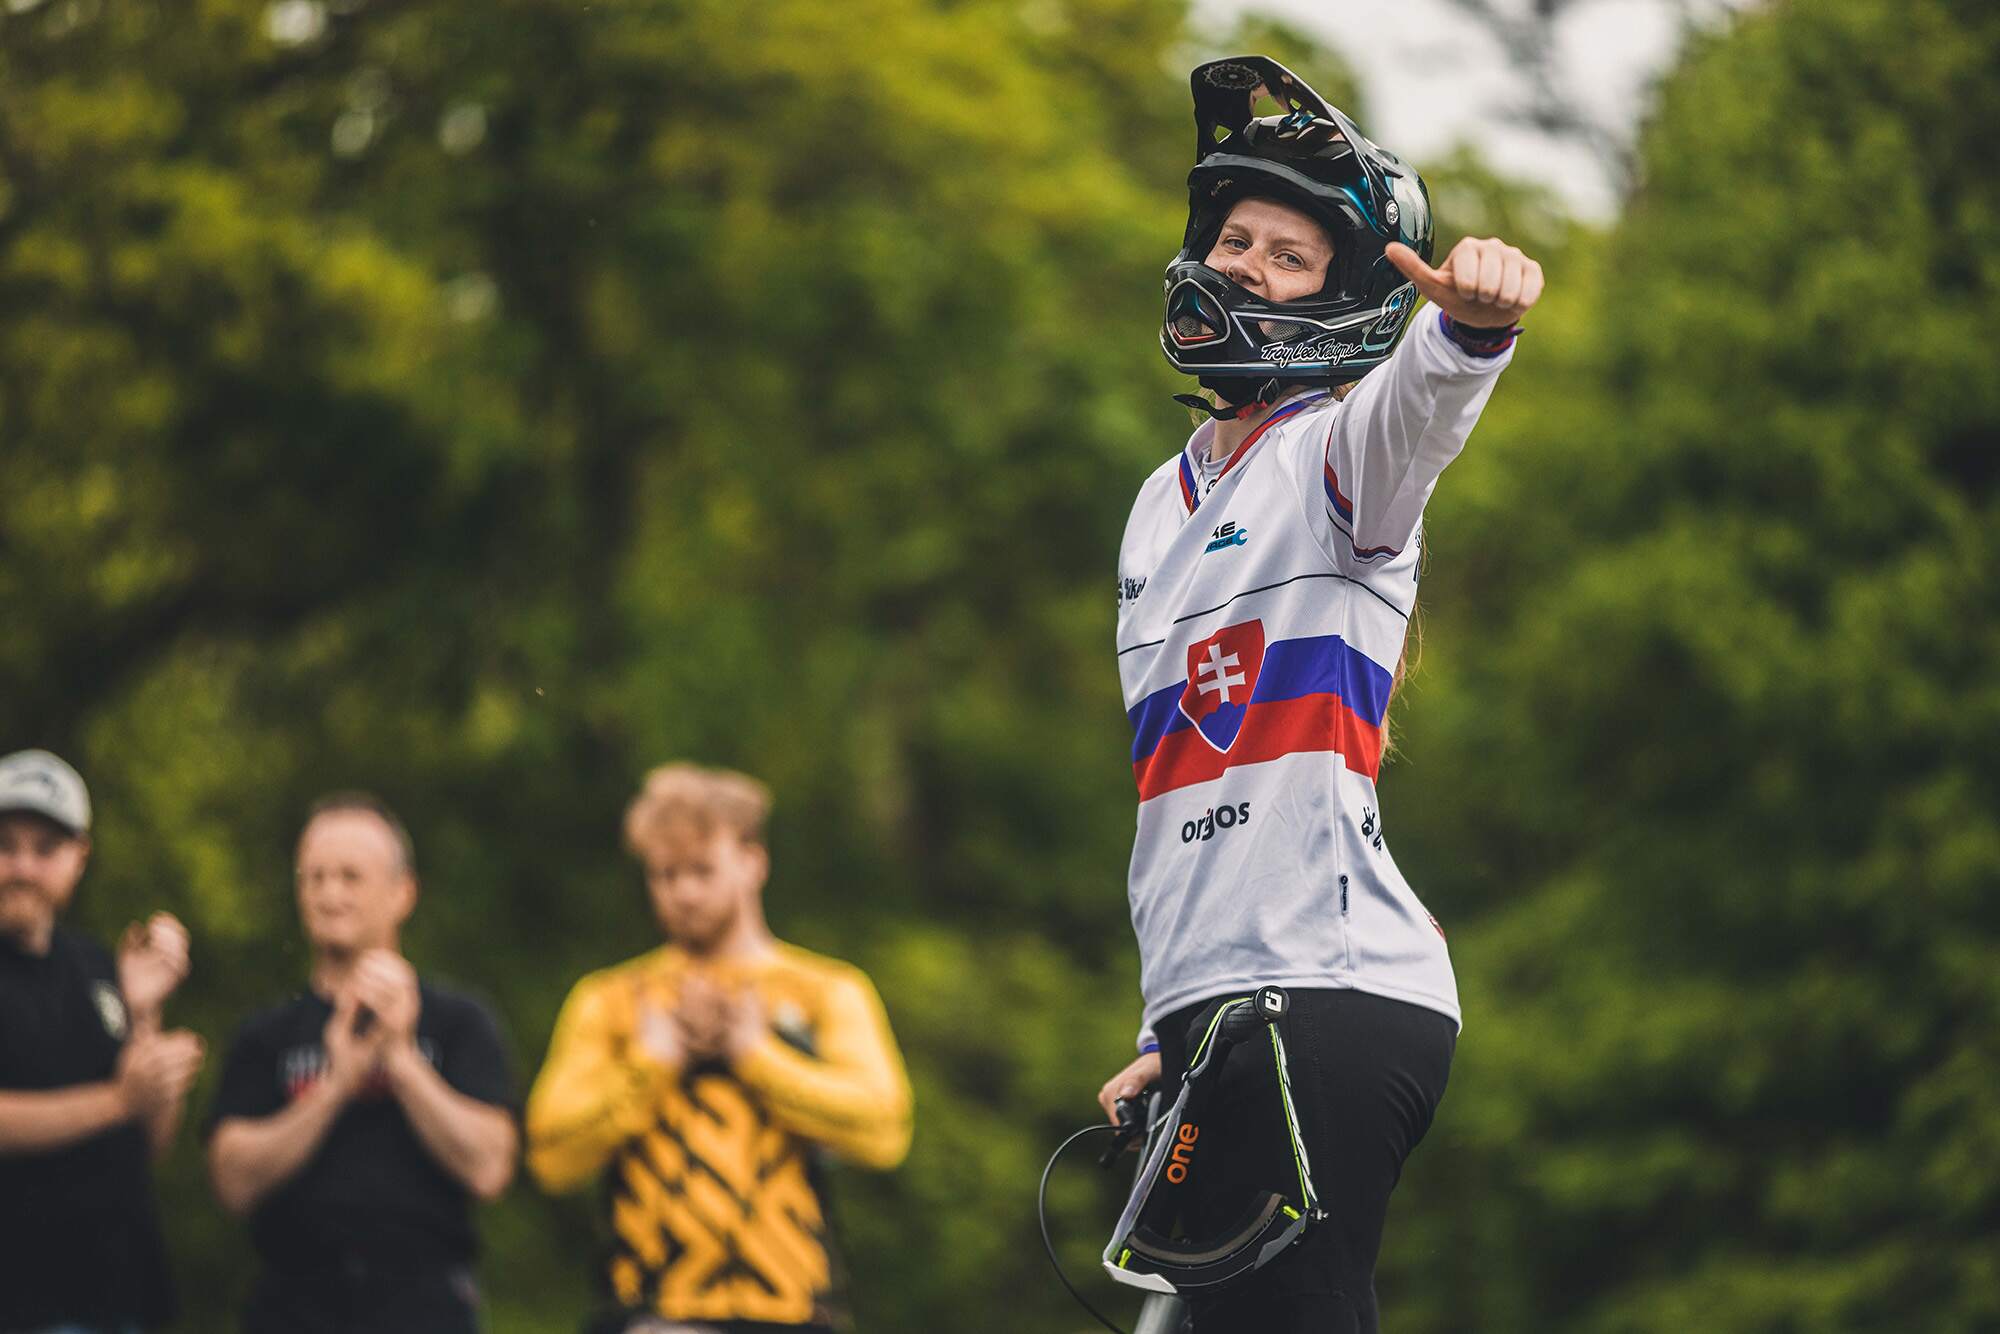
1260,620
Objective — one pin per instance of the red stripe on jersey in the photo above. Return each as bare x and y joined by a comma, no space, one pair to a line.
1188,494
1271,731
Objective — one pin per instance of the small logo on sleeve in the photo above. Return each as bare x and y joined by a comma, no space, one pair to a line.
111,1010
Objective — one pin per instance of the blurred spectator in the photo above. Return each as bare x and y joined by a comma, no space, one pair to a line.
88,1081
707,1075
356,1122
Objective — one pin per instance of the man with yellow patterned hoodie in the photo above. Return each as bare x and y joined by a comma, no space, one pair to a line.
703,1080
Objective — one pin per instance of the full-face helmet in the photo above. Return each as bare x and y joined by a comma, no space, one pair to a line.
1310,156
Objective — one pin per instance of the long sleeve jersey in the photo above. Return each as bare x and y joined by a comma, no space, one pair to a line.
711,1171
1261,615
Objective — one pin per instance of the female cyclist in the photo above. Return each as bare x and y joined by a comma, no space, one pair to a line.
1266,580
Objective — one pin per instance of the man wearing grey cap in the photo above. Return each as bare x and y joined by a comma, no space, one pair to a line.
91,1087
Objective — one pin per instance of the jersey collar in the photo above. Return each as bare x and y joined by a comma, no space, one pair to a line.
1197,445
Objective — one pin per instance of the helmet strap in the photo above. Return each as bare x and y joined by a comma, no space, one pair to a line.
1265,395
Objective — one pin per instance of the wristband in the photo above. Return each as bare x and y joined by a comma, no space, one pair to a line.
1476,341
1149,1048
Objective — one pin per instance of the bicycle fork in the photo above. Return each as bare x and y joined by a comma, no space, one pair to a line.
1163,1314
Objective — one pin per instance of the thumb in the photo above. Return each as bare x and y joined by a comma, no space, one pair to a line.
1411,265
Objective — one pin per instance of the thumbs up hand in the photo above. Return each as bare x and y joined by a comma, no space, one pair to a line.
1483,284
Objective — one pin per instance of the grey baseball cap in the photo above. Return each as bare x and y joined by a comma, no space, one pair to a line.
34,780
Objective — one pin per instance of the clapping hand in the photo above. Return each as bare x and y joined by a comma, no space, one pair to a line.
716,1024
375,1012
152,961
353,1049
386,985
658,1034
155,1071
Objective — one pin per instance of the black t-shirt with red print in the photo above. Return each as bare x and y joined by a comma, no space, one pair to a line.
372,1206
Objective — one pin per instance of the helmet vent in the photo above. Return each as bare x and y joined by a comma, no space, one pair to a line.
1231,75
1191,320
1283,331
1189,329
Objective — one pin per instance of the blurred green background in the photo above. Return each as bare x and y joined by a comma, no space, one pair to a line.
481,402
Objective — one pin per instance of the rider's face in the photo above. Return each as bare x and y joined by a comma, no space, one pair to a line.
1273,250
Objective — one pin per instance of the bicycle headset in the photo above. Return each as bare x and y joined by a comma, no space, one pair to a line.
1144,1252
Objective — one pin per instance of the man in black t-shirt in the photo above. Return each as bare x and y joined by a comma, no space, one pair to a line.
356,1122
90,1087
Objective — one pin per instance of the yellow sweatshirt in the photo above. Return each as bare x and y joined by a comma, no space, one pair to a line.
715,1210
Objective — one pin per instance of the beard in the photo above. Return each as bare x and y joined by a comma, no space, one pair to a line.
23,907
699,929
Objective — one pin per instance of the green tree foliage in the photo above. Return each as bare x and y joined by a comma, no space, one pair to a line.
480,403
1710,740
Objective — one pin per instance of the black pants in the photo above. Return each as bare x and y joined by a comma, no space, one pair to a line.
364,1301
1367,1076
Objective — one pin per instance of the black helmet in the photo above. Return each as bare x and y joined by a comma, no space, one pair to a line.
1313,158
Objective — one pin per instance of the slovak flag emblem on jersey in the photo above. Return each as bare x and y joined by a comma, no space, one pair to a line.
1222,674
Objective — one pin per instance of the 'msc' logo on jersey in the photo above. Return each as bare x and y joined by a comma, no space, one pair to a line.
1222,675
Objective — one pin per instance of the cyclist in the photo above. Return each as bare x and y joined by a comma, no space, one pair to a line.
1266,580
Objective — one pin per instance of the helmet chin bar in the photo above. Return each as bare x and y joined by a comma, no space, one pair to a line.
1144,1252
1226,335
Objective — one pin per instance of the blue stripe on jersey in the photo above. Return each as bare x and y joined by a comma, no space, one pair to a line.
1292,669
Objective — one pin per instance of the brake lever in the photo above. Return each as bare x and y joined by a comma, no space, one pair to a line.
1131,1124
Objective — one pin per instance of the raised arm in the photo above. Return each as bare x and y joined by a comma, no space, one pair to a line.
852,1096
598,1086
152,963
1394,434
250,1156
471,1137
474,1141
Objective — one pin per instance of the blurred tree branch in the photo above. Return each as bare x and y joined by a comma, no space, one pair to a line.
1528,33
